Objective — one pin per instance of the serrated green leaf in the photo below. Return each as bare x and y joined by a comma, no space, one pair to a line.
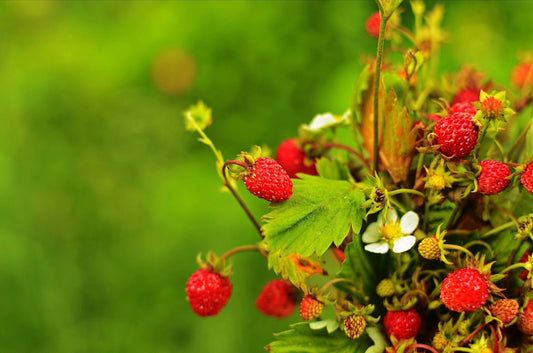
332,169
293,268
440,214
320,212
523,204
301,339
331,325
198,116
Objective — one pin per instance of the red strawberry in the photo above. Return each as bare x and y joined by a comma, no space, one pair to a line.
470,94
457,134
527,178
463,107
278,299
505,310
522,75
372,25
268,180
433,117
464,290
525,319
524,258
402,324
310,307
207,292
293,159
493,177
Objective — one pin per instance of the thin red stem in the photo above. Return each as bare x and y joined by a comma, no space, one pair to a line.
469,337
240,249
421,345
350,150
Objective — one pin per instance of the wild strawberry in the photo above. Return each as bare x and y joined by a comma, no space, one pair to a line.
522,75
464,290
310,307
293,159
402,324
433,117
470,94
525,319
429,248
354,326
527,178
525,273
505,310
268,180
372,25
493,177
277,298
386,288
463,107
208,292
457,134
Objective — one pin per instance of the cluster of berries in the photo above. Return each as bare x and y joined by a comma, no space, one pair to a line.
443,296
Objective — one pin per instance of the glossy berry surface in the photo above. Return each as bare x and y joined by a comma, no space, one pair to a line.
293,159
525,319
457,134
463,107
267,179
402,324
207,292
277,299
493,177
505,310
464,290
527,178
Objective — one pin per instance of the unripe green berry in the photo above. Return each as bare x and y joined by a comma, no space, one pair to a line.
385,288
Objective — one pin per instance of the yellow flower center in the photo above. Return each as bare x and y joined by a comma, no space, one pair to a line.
437,182
390,231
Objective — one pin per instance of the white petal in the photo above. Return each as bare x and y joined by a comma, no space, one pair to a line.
404,243
392,216
321,121
371,234
409,222
378,248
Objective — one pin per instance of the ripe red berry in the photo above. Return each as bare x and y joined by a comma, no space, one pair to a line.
457,134
464,290
372,25
493,177
525,319
402,324
277,298
293,159
505,310
470,94
310,307
522,75
207,292
268,180
462,107
527,178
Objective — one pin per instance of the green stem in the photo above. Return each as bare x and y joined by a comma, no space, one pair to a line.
333,281
515,266
406,191
498,229
519,139
458,248
379,59
240,249
237,196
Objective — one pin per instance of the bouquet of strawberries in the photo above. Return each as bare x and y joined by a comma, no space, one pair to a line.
404,224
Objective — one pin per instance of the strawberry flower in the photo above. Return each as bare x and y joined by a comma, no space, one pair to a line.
390,233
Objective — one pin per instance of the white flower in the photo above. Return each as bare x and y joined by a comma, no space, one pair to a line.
321,121
389,233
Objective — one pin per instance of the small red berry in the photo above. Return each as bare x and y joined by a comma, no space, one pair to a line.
310,307
433,117
493,177
293,159
463,107
457,134
372,25
207,292
402,324
505,310
470,94
524,258
277,298
525,319
522,75
268,180
464,290
527,178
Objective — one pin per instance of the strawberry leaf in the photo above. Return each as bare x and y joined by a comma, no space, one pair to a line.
293,268
320,212
301,339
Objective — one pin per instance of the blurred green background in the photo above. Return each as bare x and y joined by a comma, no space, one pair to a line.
106,200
